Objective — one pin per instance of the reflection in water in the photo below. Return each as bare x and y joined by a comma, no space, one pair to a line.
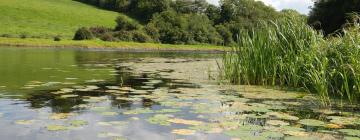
85,94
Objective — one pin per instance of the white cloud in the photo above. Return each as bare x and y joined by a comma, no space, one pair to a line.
300,5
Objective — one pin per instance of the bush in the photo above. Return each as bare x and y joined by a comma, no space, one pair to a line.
57,38
139,36
123,35
99,31
83,34
124,23
23,35
108,37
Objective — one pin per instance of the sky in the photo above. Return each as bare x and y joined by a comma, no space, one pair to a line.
300,5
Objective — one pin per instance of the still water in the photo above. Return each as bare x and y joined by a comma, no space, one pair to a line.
79,94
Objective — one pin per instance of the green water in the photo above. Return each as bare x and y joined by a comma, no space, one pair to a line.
80,94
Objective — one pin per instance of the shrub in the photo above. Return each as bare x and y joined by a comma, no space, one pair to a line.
140,36
124,23
83,34
108,37
99,31
57,38
23,35
123,35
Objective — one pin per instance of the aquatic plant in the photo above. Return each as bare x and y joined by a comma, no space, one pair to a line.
289,53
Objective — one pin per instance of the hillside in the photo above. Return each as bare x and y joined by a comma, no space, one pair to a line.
49,18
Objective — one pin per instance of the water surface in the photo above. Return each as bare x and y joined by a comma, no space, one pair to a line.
81,94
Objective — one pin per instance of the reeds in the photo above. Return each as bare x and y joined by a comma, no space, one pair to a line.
289,53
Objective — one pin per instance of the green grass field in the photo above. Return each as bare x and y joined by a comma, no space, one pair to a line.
49,18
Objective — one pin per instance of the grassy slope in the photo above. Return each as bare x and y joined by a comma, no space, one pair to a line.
36,42
48,18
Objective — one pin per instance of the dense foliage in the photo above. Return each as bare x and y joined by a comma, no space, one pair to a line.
290,53
330,15
185,21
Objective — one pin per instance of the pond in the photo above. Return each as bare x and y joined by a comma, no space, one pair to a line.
83,94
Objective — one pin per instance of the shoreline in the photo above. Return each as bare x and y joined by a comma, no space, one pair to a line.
109,46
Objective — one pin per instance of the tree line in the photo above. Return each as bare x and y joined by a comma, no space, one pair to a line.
198,22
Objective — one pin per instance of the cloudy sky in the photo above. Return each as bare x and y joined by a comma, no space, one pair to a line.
300,5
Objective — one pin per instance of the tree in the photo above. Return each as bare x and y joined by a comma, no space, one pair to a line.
330,15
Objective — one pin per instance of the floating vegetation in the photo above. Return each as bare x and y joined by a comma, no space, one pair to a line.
109,113
113,123
160,119
69,96
277,123
344,120
168,111
25,122
245,132
138,111
351,132
183,132
185,122
312,122
78,123
57,128
283,116
108,134
61,116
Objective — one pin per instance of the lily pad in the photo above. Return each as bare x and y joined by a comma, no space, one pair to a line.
351,138
108,134
283,116
109,113
138,111
185,122
344,120
61,116
25,122
277,123
351,132
57,128
69,96
78,123
272,135
311,122
301,138
168,111
161,119
246,132
183,131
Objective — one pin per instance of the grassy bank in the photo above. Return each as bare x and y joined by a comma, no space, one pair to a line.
35,42
49,18
291,54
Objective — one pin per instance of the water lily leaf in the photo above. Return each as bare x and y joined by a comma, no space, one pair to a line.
246,132
183,131
56,128
351,138
113,87
333,126
126,89
69,96
78,123
168,111
276,123
351,132
272,135
161,119
61,116
113,123
109,113
25,122
283,116
311,122
344,120
108,134
138,111
186,122
301,138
